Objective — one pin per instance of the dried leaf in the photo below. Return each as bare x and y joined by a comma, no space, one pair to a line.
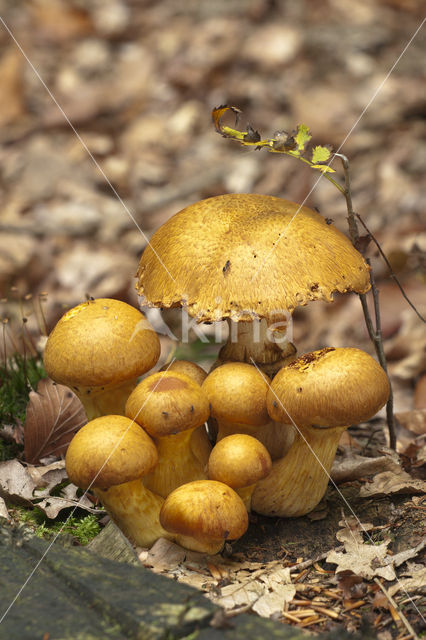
54,504
4,513
389,482
416,581
365,560
16,484
54,414
163,556
352,586
414,421
47,477
354,467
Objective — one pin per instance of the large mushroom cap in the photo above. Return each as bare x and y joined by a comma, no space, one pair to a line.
101,342
245,255
328,388
205,509
109,450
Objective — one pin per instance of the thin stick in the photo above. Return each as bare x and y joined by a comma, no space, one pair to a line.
395,606
389,266
374,333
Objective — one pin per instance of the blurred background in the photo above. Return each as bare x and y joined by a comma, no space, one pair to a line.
138,80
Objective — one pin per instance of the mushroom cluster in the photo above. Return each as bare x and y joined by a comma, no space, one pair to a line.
146,452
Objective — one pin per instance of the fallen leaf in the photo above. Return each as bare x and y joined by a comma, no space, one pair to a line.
4,513
52,505
352,586
365,560
54,414
416,581
403,556
354,467
25,485
163,555
13,432
16,484
414,421
389,483
47,477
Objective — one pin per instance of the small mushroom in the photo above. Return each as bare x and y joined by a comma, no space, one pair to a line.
240,461
237,395
321,394
203,515
170,406
111,454
99,349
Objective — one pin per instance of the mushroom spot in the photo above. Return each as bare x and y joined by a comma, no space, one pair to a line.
167,384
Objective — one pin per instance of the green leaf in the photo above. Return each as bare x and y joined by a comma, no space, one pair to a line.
323,167
320,154
302,136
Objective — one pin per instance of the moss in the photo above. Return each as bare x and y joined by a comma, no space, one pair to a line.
18,376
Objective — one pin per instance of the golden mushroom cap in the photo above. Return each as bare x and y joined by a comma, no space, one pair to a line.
246,255
109,450
239,460
237,393
328,388
205,509
187,367
100,342
168,402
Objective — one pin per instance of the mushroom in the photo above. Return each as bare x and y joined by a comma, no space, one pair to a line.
170,406
111,454
251,259
320,394
99,349
237,395
239,461
203,515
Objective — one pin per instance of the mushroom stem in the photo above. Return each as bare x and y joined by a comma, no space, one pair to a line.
177,464
257,342
106,400
135,510
276,437
245,494
299,480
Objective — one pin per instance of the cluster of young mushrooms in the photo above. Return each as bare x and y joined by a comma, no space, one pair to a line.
145,451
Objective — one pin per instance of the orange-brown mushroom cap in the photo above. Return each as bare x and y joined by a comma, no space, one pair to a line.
237,393
168,402
108,451
239,461
247,255
100,342
205,510
330,387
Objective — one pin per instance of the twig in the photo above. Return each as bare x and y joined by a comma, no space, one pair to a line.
395,606
311,561
389,266
375,334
